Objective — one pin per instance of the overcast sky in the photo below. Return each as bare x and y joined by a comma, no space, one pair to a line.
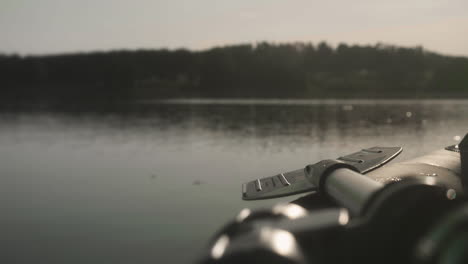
57,26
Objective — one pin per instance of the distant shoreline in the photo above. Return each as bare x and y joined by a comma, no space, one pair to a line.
292,101
266,70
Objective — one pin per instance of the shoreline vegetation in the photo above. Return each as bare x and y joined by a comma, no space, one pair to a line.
262,70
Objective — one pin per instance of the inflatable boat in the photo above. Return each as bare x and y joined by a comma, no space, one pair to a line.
358,208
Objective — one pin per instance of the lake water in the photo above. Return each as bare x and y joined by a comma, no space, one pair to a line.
153,182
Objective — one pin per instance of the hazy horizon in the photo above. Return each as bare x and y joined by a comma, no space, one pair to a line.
51,26
315,43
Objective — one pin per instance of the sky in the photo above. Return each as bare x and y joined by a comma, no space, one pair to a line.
62,26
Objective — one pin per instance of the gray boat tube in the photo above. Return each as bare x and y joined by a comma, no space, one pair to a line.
350,189
442,165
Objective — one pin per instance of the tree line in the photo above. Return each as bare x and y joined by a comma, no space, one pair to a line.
262,70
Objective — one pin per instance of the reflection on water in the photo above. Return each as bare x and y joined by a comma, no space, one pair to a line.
152,183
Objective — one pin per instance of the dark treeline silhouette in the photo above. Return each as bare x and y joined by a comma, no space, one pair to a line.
264,70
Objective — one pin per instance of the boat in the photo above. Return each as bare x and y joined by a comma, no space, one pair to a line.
358,208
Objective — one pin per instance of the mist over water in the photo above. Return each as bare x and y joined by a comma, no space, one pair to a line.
153,183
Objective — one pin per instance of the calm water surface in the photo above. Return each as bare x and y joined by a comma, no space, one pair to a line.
153,182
